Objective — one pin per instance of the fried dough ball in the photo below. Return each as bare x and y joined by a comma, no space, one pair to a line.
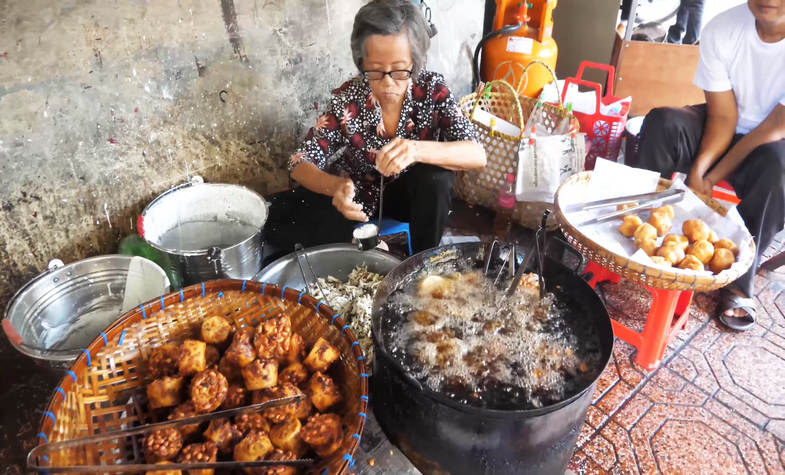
208,390
696,230
254,446
271,339
435,286
224,434
286,435
192,357
323,432
321,356
713,237
165,392
661,261
241,352
679,239
643,232
624,206
162,445
231,371
303,407
672,252
703,250
184,411
629,225
211,356
163,472
248,422
661,221
236,396
667,210
163,360
195,453
691,262
726,243
216,330
649,246
261,374
296,351
323,391
295,373
723,259
279,455
280,413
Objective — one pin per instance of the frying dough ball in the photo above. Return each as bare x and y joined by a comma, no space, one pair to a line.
696,230
726,243
435,286
271,339
629,225
667,210
296,349
216,330
162,445
691,262
286,435
661,261
723,259
672,252
164,472
165,392
245,423
223,434
163,360
713,237
324,433
295,373
192,357
205,452
254,446
241,352
649,246
323,391
661,221
261,374
236,396
321,356
679,239
208,390
703,250
184,411
211,356
643,232
279,455
280,413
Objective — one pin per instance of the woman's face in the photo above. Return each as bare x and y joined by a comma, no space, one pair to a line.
388,53
768,11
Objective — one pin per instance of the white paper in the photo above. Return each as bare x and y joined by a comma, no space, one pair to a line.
613,180
502,125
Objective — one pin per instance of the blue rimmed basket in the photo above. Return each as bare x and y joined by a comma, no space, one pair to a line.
102,390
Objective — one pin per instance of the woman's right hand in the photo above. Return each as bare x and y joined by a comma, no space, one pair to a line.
343,200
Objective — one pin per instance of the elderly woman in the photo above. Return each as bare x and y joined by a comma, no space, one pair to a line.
394,119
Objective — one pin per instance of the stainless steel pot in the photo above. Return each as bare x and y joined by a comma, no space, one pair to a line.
56,315
206,230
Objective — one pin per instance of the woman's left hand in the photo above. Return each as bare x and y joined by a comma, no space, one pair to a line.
396,156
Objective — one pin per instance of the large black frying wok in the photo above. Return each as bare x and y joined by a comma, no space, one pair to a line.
442,435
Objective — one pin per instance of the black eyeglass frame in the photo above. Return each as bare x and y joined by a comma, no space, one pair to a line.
407,75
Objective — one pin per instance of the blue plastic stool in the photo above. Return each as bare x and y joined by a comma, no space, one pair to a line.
391,226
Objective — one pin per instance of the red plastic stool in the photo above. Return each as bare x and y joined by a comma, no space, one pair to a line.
660,327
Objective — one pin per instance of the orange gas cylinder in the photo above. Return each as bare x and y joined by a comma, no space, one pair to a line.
505,54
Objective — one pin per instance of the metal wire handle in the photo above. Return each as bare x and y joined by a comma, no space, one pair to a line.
299,251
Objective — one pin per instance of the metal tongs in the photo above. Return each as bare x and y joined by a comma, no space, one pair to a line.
39,453
299,253
645,201
539,245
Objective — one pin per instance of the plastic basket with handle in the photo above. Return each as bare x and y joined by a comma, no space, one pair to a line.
603,132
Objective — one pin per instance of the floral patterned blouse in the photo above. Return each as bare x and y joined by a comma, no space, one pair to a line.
346,138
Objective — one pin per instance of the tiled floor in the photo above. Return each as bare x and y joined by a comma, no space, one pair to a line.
715,405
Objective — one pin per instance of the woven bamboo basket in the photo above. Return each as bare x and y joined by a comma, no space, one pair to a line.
502,100
634,271
104,389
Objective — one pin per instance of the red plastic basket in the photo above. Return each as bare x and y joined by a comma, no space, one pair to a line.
603,132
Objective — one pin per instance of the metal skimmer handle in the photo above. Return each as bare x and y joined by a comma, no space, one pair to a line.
300,252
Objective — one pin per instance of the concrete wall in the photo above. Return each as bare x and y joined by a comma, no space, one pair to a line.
105,104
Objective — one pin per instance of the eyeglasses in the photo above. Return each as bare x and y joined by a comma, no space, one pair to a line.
397,75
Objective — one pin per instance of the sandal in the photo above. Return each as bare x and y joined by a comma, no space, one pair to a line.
732,301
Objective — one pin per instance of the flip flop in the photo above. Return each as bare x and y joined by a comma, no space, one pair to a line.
731,301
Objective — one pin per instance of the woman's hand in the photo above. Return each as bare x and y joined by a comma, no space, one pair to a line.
343,200
699,183
396,156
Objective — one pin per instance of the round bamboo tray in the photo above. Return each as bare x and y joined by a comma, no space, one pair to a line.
635,271
104,388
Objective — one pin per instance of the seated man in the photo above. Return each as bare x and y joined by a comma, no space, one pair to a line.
738,135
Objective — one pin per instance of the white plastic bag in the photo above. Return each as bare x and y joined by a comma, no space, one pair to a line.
544,162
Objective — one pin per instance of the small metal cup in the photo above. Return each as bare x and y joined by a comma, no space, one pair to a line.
364,238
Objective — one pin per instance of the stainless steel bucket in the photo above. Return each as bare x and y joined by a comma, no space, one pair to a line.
206,231
56,315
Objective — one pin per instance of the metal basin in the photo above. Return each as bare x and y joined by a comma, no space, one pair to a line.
57,314
335,260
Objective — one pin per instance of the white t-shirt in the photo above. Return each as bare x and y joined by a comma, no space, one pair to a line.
732,56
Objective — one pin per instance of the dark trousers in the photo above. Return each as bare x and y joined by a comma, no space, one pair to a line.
688,22
669,141
422,197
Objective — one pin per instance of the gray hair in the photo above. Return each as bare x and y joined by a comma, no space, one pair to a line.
390,17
